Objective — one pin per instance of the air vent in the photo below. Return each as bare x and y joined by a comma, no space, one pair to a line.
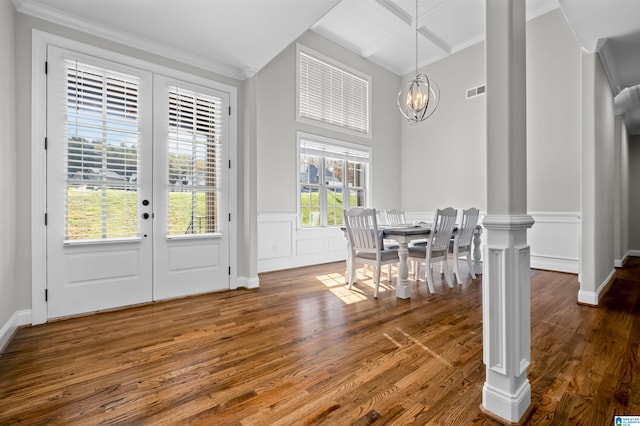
476,91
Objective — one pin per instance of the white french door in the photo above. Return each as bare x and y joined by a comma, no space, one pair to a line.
137,186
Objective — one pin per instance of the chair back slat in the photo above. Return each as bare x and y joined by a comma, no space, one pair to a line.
442,229
469,223
362,229
395,217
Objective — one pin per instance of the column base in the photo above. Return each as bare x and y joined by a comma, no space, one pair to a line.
506,408
523,420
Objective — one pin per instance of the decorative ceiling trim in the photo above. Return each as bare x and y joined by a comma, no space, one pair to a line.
36,10
607,57
396,10
437,41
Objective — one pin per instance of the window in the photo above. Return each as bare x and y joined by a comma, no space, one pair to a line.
328,93
102,147
195,123
333,176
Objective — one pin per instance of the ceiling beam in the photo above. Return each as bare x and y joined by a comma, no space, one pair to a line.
433,38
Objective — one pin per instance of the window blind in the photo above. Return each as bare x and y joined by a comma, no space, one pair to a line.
103,143
322,149
194,152
332,95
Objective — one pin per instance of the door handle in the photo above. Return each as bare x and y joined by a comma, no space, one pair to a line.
145,215
145,202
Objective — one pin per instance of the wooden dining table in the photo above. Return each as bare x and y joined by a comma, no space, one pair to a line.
403,235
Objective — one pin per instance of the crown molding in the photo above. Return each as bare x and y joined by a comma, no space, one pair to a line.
607,58
40,11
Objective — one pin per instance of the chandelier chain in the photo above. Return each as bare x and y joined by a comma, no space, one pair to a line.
416,37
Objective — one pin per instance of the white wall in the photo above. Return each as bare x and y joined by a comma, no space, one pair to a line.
457,132
598,181
280,243
444,158
10,300
634,194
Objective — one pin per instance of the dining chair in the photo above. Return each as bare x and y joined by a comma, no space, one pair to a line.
437,247
395,217
366,243
461,242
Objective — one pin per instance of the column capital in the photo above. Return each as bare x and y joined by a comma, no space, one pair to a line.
508,222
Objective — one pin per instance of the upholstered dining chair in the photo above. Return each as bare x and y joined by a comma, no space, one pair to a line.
437,246
366,243
461,242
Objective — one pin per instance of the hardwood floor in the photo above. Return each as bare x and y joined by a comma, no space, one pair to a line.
305,350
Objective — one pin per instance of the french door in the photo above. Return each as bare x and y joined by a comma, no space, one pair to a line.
137,186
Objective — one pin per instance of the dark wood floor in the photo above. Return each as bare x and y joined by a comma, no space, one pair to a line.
304,350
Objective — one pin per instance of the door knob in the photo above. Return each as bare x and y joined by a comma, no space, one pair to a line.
145,202
145,215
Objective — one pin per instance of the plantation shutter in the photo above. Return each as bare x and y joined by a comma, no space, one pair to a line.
194,153
102,151
332,95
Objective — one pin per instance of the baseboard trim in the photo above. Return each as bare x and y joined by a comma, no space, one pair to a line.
249,283
18,319
593,298
269,265
558,264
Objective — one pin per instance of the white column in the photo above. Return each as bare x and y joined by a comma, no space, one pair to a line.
506,281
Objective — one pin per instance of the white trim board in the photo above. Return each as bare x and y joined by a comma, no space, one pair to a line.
18,319
593,297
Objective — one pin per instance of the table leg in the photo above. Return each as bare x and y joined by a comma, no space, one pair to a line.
477,258
403,291
350,268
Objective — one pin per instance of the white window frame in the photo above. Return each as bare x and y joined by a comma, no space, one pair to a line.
345,68
340,146
40,40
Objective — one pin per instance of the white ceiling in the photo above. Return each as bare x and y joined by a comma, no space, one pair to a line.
237,38
383,31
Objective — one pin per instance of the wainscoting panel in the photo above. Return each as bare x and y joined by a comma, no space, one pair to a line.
554,240
281,245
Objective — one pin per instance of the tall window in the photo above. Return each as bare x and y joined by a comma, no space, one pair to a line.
333,177
102,124
330,93
193,153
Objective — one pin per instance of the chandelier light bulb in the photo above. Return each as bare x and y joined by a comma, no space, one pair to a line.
417,99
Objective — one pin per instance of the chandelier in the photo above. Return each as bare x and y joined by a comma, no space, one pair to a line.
418,98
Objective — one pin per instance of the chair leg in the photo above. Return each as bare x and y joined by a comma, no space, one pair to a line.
430,279
389,272
447,274
354,273
470,265
456,270
375,291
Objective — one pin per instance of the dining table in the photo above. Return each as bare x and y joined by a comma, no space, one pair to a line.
404,234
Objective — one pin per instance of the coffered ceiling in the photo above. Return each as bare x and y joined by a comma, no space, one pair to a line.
237,38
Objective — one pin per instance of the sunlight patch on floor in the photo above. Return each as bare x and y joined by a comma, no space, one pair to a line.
430,351
338,285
